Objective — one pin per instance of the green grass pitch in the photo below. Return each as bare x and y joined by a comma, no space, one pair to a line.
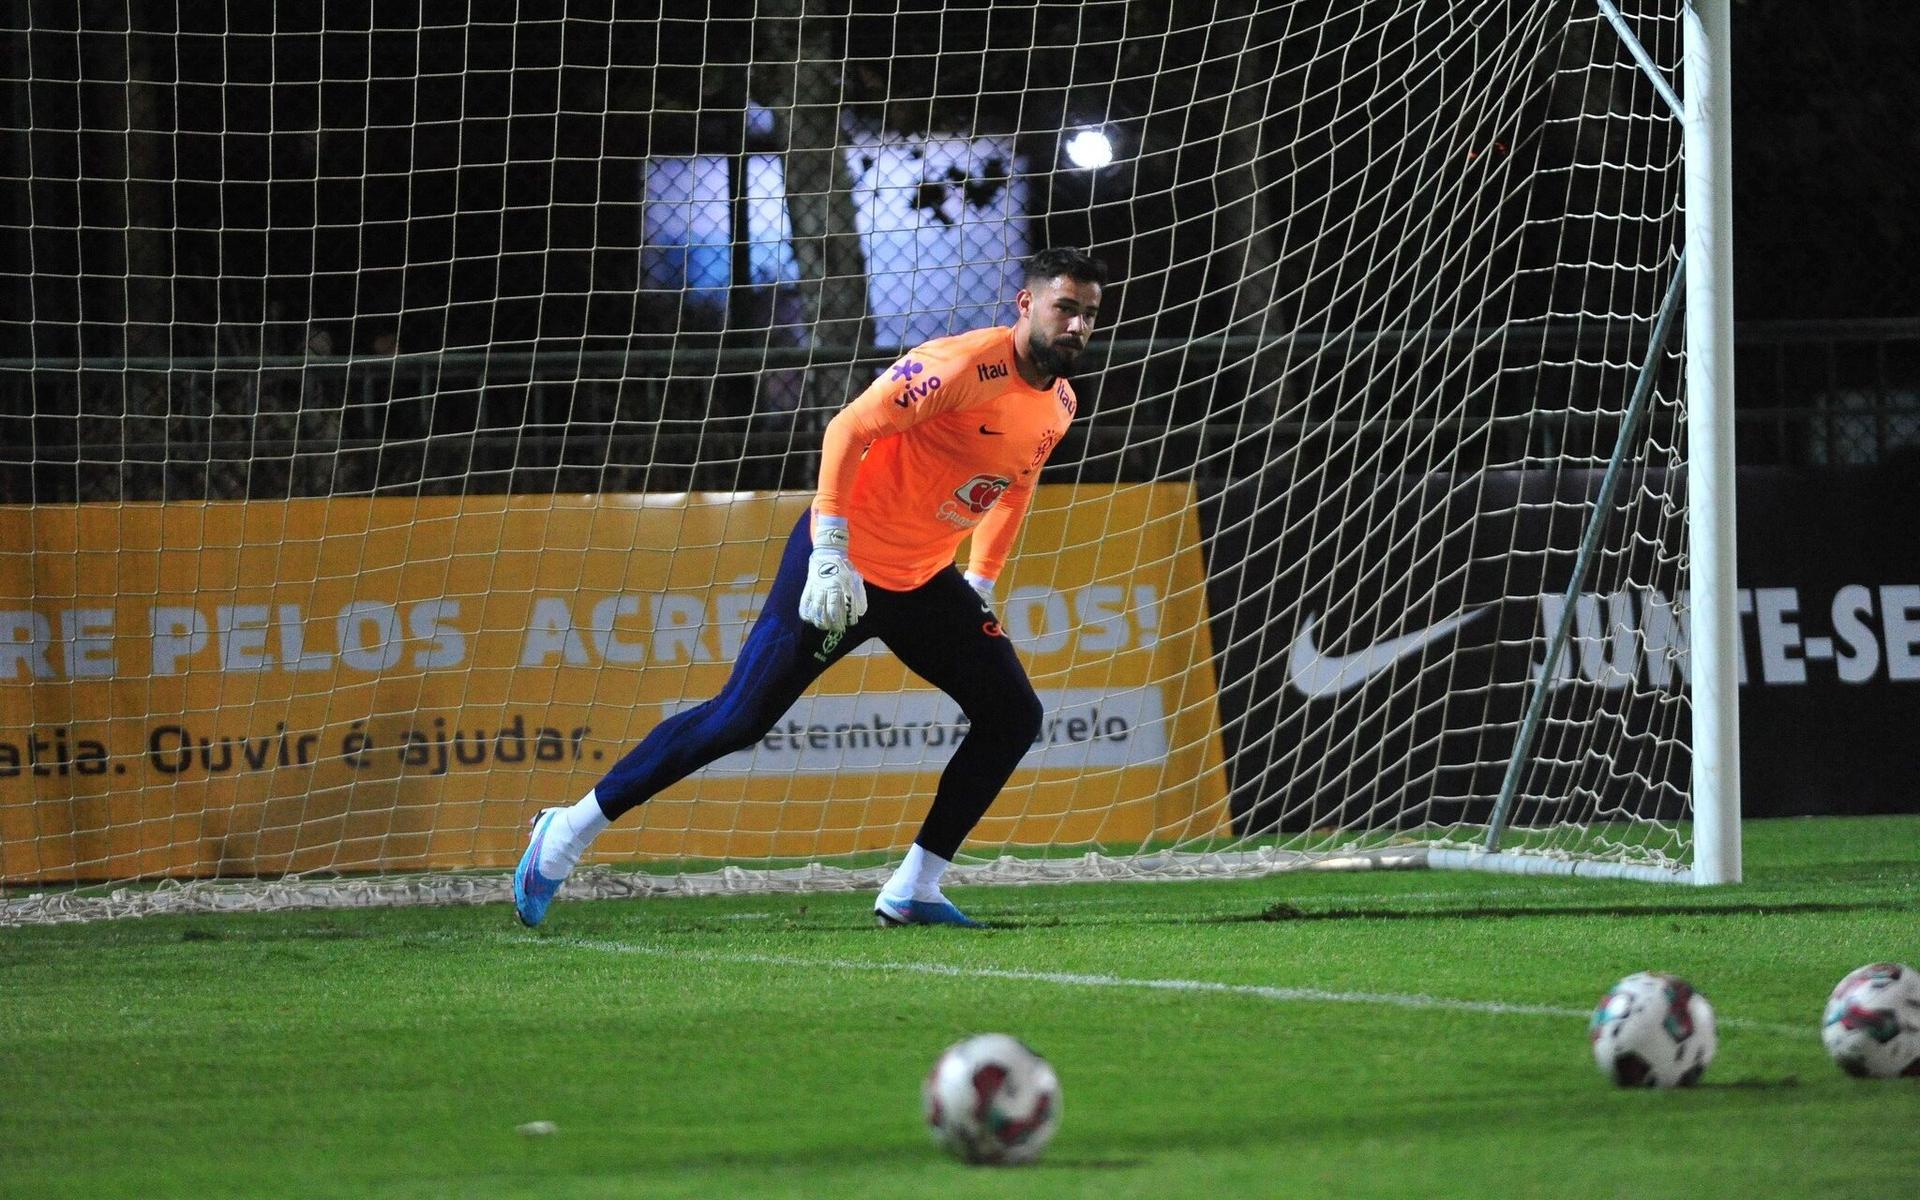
1414,1034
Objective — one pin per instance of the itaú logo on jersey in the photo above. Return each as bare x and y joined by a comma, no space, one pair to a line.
975,497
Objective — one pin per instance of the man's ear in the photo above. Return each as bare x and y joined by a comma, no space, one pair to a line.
1023,302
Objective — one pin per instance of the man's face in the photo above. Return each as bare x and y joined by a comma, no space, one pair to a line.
1060,314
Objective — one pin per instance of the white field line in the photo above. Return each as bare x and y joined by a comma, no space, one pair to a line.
1285,995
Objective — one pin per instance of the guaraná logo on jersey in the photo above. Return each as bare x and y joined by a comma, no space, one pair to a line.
981,492
912,390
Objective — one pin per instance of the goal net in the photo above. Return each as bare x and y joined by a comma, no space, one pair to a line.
405,409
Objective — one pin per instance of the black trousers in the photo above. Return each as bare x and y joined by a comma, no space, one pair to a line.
942,632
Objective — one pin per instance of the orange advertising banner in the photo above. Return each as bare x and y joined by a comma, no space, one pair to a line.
377,684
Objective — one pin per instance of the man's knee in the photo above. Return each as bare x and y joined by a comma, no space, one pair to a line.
1016,718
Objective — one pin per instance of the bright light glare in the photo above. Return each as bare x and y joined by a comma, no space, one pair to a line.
1090,148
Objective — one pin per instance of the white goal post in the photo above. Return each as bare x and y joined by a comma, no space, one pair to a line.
405,409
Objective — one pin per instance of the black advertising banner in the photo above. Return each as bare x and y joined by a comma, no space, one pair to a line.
1829,578
1379,636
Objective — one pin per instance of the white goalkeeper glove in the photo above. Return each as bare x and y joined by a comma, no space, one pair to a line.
982,587
835,596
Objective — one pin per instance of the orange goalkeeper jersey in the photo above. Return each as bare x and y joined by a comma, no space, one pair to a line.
948,441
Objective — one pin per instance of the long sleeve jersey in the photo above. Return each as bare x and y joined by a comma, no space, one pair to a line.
946,442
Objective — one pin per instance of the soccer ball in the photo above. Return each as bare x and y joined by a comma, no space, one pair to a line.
1872,1022
1653,1030
990,1099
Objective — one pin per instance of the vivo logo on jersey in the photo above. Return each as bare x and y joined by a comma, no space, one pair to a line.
988,371
904,372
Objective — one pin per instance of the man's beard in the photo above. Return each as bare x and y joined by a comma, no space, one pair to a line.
1049,358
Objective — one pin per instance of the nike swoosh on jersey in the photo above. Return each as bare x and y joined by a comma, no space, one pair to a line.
991,432
1318,675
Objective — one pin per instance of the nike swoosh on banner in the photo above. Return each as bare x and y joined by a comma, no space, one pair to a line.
1318,676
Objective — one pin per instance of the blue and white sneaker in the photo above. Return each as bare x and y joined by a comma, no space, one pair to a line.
532,891
889,913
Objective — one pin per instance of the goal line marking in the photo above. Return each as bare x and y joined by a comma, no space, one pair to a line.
1284,995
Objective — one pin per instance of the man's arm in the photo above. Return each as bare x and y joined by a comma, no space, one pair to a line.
890,405
835,596
994,536
848,435
993,539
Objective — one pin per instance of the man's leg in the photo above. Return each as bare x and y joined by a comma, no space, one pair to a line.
946,635
780,659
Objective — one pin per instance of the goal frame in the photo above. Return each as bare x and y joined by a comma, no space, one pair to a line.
1702,286
1707,129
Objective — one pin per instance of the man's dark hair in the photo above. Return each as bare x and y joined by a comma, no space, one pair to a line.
1065,260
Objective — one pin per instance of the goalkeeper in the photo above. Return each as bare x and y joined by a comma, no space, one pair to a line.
948,442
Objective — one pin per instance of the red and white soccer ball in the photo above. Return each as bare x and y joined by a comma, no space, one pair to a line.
1653,1030
991,1099
1871,1025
